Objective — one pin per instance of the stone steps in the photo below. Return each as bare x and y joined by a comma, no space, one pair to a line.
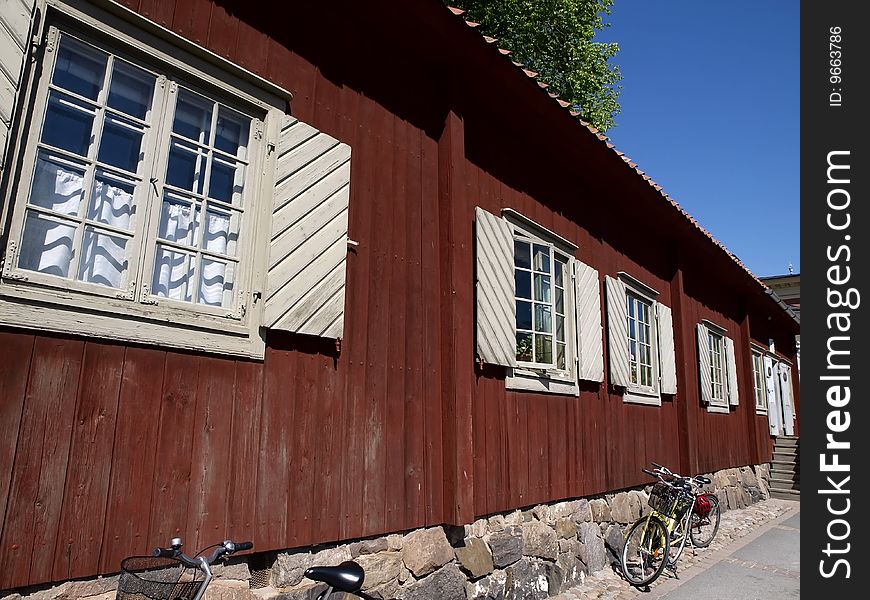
785,477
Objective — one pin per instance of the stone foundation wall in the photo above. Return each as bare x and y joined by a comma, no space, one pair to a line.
525,554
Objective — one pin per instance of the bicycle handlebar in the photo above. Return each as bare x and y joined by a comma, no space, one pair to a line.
227,547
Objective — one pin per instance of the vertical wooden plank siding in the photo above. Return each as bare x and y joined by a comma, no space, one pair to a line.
87,477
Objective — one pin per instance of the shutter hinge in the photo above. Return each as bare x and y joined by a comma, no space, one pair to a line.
7,261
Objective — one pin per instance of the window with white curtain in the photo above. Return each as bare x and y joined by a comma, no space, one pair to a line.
136,183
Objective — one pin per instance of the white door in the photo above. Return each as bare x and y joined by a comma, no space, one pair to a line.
786,402
770,380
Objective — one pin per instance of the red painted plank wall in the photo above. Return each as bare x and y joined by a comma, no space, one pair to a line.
107,450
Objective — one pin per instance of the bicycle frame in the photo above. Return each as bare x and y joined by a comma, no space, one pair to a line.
673,525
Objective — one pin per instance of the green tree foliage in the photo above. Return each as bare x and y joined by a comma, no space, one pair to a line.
555,39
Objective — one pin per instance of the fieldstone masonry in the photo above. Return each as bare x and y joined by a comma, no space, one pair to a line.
522,555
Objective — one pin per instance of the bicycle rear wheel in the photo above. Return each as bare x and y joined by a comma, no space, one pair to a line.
702,530
645,552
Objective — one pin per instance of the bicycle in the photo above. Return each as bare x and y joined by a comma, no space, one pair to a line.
679,514
170,574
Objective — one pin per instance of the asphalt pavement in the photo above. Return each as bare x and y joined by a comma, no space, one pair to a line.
762,566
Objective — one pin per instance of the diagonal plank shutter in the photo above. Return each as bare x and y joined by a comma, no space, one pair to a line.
770,384
667,356
16,19
787,403
308,245
704,364
587,291
496,291
733,393
617,332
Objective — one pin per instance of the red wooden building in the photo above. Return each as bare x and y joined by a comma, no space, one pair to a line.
307,272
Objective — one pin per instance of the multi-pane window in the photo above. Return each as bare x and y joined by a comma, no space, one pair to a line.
758,379
717,367
541,275
137,183
640,340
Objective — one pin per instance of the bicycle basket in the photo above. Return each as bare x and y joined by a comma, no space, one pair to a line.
157,578
662,498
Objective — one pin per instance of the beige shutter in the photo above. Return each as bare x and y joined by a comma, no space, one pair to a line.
667,356
587,291
772,408
617,332
496,291
308,245
733,393
787,402
16,19
704,364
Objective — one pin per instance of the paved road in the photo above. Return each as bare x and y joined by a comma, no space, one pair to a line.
765,568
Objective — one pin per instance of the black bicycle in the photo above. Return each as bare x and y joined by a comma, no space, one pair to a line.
170,574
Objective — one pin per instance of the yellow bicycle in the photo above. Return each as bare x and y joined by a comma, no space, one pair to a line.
657,540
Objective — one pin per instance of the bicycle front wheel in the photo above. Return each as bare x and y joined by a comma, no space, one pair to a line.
645,552
702,530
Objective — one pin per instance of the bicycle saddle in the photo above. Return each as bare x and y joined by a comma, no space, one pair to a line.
346,577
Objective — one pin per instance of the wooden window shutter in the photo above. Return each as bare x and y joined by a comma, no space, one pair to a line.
16,24
704,364
667,355
496,291
308,244
617,332
733,392
587,291
770,384
787,404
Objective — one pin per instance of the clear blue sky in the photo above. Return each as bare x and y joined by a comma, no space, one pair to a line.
710,110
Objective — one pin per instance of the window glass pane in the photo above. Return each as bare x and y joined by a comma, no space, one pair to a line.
524,315
112,201
193,116
632,332
216,283
560,328
641,333
173,273
104,258
121,144
225,183
68,124
79,68
179,221
221,231
558,273
560,356
542,258
631,302
57,186
186,168
560,301
524,284
46,245
522,254
524,347
543,318
131,90
232,132
543,348
542,288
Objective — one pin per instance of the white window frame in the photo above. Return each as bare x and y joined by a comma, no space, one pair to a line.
36,301
636,392
758,378
718,368
539,377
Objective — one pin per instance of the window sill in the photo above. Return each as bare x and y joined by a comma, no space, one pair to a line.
761,411
126,327
531,381
718,408
636,397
